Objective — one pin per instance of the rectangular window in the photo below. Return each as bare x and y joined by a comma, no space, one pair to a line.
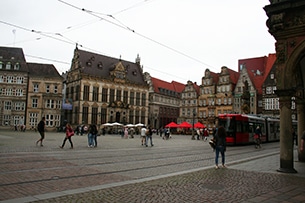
19,92
131,116
86,93
111,98
95,94
10,79
9,92
94,115
50,104
34,103
131,101
143,103
104,94
138,99
55,89
19,80
85,114
47,88
103,115
49,120
118,95
35,87
19,106
33,122
125,97
7,105
58,104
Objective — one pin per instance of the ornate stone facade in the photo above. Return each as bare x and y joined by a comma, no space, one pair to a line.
105,89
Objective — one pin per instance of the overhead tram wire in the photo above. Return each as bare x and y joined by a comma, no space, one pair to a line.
69,42
132,30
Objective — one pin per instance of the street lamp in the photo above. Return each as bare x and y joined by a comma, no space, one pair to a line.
194,114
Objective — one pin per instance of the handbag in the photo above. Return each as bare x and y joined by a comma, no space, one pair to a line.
70,133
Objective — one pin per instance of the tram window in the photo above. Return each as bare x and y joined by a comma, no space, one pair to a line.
251,129
239,127
272,128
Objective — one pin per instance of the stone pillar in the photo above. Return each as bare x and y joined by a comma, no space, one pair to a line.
301,128
286,141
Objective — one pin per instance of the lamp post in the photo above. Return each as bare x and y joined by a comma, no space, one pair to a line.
194,114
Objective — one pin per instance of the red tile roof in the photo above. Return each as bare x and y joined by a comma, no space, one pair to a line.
258,69
173,86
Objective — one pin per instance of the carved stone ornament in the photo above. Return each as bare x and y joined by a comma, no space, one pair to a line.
281,52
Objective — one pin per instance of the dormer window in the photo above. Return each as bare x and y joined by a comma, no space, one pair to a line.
17,66
100,65
88,63
134,73
271,76
8,66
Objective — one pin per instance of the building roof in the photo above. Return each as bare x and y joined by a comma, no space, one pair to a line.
101,66
258,69
172,86
233,75
43,70
13,54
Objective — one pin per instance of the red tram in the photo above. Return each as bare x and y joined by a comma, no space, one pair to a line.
241,127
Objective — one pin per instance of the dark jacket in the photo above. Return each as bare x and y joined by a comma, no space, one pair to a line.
40,126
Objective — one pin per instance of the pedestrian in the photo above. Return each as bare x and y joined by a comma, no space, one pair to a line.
41,130
125,132
143,135
198,133
149,136
69,134
257,137
206,134
92,136
302,141
220,141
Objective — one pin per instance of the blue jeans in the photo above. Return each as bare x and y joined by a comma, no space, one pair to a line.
147,138
220,149
94,140
90,139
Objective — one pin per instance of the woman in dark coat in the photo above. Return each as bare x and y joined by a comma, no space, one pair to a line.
220,140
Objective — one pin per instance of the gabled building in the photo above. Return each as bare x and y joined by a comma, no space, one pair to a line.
44,96
13,87
271,104
105,89
224,90
216,94
206,101
248,94
164,101
189,103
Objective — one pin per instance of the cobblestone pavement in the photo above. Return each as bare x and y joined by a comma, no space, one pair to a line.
121,170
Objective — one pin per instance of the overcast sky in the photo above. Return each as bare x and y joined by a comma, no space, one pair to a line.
175,39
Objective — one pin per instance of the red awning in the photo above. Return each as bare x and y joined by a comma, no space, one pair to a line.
172,125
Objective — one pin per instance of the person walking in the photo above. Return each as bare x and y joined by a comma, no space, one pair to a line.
41,130
257,137
69,134
220,141
143,135
92,136
149,136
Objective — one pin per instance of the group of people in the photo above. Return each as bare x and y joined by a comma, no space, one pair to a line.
146,135
92,134
202,134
